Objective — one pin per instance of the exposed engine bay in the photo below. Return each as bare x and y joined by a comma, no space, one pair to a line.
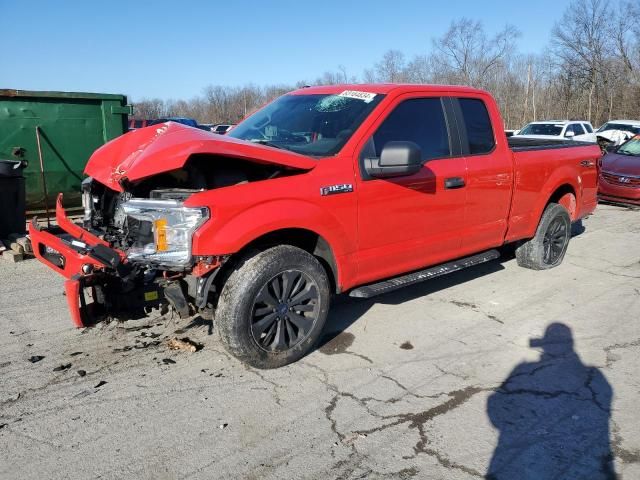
149,214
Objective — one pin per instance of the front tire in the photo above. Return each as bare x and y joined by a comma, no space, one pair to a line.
273,307
549,245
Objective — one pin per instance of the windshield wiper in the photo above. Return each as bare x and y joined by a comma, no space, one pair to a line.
263,141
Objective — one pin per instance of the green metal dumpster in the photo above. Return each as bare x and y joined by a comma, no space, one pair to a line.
57,132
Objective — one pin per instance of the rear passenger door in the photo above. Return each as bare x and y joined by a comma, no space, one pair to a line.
489,175
412,221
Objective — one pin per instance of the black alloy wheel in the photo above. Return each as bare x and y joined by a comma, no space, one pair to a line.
285,311
273,306
549,245
555,240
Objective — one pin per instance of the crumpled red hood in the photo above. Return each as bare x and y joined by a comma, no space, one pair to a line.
167,146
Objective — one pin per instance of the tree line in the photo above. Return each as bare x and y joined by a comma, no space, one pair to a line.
589,71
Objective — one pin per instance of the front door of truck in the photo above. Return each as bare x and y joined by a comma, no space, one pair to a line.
412,221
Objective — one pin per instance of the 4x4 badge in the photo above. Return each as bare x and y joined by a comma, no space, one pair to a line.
334,189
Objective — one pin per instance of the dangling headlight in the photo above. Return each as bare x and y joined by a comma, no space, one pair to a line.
163,230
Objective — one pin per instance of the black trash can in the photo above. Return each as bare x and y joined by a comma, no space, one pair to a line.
12,198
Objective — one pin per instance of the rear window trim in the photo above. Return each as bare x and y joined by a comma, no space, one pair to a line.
464,141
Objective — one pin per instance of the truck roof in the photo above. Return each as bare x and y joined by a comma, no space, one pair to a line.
383,88
563,122
628,122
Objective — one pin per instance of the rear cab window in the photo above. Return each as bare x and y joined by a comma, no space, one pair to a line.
577,129
477,124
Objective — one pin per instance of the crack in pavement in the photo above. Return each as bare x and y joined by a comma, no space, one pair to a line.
414,420
556,393
453,374
475,308
610,360
626,456
274,391
608,272
420,419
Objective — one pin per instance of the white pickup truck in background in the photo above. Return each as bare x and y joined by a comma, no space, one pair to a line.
578,130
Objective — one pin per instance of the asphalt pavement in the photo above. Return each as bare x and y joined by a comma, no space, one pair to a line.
493,370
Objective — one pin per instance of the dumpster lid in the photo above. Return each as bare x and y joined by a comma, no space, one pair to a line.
8,92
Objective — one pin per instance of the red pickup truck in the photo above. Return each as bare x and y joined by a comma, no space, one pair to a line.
349,188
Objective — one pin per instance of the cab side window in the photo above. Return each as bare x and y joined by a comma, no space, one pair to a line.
478,125
419,120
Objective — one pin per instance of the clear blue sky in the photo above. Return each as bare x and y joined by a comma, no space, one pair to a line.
173,49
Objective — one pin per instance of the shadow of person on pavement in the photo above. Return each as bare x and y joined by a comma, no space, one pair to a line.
553,416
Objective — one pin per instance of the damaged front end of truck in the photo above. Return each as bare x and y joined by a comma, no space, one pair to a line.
133,252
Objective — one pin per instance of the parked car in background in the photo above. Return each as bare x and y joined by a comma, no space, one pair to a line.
346,188
616,132
134,124
619,180
222,128
578,130
189,122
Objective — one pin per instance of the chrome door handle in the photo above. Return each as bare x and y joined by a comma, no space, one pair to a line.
587,163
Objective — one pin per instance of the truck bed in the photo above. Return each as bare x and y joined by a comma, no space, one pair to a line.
520,144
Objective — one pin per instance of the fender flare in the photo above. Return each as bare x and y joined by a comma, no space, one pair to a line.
238,232
561,177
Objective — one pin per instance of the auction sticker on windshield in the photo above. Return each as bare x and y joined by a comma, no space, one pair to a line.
364,96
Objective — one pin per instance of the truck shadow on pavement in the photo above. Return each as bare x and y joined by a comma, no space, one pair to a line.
346,310
552,416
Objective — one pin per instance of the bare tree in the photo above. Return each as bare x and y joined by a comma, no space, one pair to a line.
150,108
391,68
582,41
468,55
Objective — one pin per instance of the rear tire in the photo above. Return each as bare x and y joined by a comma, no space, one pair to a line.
273,307
549,245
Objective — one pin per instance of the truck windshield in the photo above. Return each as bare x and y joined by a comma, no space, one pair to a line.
632,147
316,125
541,129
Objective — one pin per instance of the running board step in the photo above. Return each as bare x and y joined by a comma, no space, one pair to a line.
373,289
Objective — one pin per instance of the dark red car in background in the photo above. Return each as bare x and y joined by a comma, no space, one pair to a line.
620,174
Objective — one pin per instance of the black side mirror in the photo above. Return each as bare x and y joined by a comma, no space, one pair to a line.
396,159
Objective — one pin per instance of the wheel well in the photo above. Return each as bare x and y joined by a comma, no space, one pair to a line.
565,195
304,239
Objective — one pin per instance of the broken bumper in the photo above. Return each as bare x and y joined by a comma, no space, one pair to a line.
76,254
